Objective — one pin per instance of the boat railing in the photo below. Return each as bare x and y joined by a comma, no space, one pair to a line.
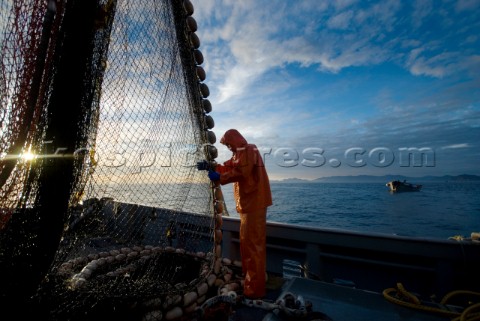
369,261
366,261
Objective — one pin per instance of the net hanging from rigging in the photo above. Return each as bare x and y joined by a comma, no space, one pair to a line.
104,115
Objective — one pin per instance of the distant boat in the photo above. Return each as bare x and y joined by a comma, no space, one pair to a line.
398,186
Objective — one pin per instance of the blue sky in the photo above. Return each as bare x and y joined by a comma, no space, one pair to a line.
327,88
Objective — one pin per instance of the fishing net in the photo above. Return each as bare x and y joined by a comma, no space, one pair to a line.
103,118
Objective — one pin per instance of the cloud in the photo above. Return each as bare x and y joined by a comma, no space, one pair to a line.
462,5
436,66
456,146
341,20
421,9
422,62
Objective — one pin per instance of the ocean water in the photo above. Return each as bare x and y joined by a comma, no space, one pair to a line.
439,210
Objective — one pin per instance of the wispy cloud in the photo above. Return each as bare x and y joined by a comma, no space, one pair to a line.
256,38
456,146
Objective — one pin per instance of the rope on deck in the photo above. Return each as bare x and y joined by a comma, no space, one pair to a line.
401,296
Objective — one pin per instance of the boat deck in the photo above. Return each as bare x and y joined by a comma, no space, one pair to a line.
336,302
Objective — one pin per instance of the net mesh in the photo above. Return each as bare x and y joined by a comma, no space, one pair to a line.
103,118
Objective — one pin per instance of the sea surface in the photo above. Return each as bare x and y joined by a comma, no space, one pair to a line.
439,210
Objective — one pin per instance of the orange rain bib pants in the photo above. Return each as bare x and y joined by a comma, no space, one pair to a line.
252,250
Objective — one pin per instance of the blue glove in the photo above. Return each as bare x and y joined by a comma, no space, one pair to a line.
203,165
214,176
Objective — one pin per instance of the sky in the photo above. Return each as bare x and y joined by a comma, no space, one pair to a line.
346,87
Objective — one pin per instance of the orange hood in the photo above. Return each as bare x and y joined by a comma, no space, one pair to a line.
233,138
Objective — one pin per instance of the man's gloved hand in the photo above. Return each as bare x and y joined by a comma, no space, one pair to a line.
203,165
214,176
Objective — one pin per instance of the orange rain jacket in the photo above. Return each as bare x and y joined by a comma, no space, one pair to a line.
251,187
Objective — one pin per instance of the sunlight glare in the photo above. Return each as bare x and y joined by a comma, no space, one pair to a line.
28,156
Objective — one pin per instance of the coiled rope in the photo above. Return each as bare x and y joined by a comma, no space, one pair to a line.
401,296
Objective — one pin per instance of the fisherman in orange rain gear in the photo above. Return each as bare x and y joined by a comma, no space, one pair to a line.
251,188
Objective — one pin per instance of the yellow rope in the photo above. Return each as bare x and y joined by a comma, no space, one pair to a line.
467,314
407,295
453,293
404,298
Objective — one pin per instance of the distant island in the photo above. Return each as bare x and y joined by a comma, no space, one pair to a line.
383,179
